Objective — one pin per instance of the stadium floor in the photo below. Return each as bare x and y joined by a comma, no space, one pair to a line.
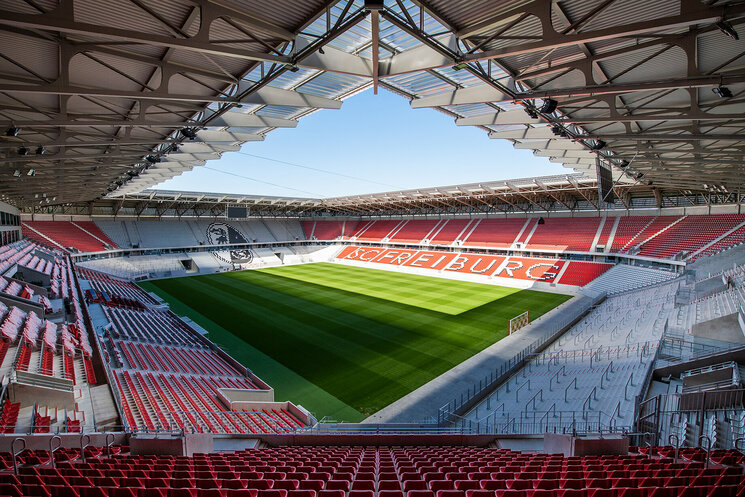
346,341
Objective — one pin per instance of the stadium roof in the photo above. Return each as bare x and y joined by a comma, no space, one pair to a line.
111,98
573,193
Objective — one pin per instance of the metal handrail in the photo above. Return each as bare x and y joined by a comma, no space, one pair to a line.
83,446
517,392
677,445
15,453
574,380
553,406
736,441
708,448
626,387
109,444
588,401
53,449
647,443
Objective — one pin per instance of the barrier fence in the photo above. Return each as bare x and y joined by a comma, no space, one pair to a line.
449,412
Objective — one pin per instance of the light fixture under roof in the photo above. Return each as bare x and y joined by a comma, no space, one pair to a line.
727,29
722,92
549,106
189,133
12,131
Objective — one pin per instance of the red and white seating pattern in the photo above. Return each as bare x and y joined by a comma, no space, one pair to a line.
82,236
522,268
495,232
166,377
375,231
23,254
657,236
155,327
562,233
690,234
385,471
628,228
655,226
416,230
580,273
328,230
450,231
735,238
11,254
168,401
102,282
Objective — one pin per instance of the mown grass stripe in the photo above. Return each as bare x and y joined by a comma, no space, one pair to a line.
365,337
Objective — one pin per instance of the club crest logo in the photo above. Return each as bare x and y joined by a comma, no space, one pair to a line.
225,234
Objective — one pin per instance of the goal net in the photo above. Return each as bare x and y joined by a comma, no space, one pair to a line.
518,322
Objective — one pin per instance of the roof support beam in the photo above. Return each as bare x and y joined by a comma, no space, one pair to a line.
59,23
229,119
610,89
498,118
552,41
335,61
543,132
263,96
663,137
470,95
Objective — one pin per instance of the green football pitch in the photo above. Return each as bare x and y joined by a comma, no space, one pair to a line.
346,341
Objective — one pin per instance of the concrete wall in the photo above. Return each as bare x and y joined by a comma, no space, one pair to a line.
715,376
554,443
726,328
22,304
186,445
28,388
235,396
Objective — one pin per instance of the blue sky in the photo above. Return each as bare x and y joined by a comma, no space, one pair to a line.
375,143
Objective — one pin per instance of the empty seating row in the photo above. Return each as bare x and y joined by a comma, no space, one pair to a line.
81,236
590,375
657,236
313,471
690,234
328,230
155,401
153,326
561,233
113,286
14,253
182,360
734,238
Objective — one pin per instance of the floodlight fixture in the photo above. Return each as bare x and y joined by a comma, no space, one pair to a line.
722,92
549,106
727,29
599,145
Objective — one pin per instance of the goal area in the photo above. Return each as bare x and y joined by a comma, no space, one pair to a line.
519,321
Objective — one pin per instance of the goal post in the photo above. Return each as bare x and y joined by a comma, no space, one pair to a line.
519,321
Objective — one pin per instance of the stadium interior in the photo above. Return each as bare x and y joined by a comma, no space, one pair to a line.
573,335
